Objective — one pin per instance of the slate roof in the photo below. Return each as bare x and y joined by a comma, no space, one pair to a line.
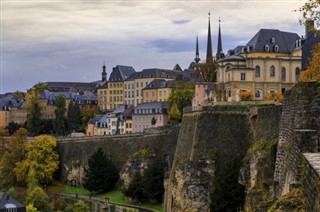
163,106
80,97
187,74
120,73
10,100
200,79
157,73
96,118
284,40
160,83
7,202
177,68
71,86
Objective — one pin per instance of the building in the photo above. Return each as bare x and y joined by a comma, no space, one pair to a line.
203,92
129,90
8,204
148,115
116,85
71,86
158,90
269,63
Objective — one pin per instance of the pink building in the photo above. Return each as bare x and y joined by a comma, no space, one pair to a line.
203,92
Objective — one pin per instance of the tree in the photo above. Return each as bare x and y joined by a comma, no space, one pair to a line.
135,188
246,95
174,113
313,71
86,115
153,120
12,127
41,161
182,95
33,112
31,208
80,206
208,70
58,121
101,175
14,154
310,11
74,117
38,198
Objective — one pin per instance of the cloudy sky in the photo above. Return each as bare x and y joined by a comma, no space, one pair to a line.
69,40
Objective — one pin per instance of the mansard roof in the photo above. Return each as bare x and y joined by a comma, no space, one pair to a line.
157,73
120,73
272,38
160,83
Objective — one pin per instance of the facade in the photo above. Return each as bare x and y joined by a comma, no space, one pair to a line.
203,92
145,113
116,85
269,62
158,90
129,90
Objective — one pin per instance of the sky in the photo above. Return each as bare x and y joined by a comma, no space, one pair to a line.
70,40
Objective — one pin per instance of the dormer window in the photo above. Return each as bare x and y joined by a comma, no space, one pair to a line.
276,48
248,48
273,40
266,48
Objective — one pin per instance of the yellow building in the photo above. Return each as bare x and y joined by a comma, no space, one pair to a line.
158,90
103,95
269,62
116,86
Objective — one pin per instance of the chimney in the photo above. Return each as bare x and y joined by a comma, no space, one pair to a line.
309,28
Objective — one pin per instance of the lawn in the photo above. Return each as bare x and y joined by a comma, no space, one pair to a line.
114,196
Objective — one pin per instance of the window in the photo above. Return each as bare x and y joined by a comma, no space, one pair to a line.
164,93
125,86
272,71
229,77
257,94
229,93
153,94
141,83
110,85
137,92
129,86
276,48
297,74
283,74
257,71
110,98
137,85
266,48
243,76
147,93
160,93
273,40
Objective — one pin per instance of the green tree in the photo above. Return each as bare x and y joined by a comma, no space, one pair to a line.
182,95
152,180
14,154
135,188
12,192
33,113
80,206
41,161
174,113
101,175
12,127
74,117
86,115
31,208
38,198
58,121
227,194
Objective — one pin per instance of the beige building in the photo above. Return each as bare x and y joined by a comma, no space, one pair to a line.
269,62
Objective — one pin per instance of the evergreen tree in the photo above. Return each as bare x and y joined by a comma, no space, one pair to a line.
74,117
135,188
101,174
34,117
58,122
174,113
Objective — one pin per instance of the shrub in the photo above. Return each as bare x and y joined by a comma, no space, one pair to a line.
275,96
246,95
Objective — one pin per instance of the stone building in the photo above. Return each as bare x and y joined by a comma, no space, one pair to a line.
269,62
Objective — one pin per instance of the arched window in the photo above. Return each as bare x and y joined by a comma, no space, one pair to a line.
257,71
266,48
272,71
283,74
297,74
276,48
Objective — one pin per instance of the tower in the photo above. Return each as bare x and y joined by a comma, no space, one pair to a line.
209,43
197,59
219,48
104,73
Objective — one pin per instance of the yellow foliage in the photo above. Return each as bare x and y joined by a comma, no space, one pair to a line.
278,97
313,71
246,95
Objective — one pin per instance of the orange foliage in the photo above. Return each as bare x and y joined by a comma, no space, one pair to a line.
275,96
246,95
313,71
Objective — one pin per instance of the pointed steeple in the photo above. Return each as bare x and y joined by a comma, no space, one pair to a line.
219,48
197,59
104,72
209,43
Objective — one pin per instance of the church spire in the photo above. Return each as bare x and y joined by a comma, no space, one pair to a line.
197,59
219,48
209,44
104,73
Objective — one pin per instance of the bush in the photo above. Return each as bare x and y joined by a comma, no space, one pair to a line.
39,199
277,97
246,95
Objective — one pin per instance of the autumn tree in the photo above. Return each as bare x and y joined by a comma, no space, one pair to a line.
313,71
33,113
182,96
101,175
311,11
39,199
73,117
14,154
58,121
208,70
41,161
174,113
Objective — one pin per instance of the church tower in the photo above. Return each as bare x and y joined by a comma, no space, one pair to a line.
209,43
104,73
219,48
197,59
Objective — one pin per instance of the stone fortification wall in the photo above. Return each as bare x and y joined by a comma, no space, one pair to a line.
208,139
74,152
310,179
299,133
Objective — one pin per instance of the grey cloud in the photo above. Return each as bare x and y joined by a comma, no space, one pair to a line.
181,22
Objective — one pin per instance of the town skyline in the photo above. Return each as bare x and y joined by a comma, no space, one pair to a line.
46,41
